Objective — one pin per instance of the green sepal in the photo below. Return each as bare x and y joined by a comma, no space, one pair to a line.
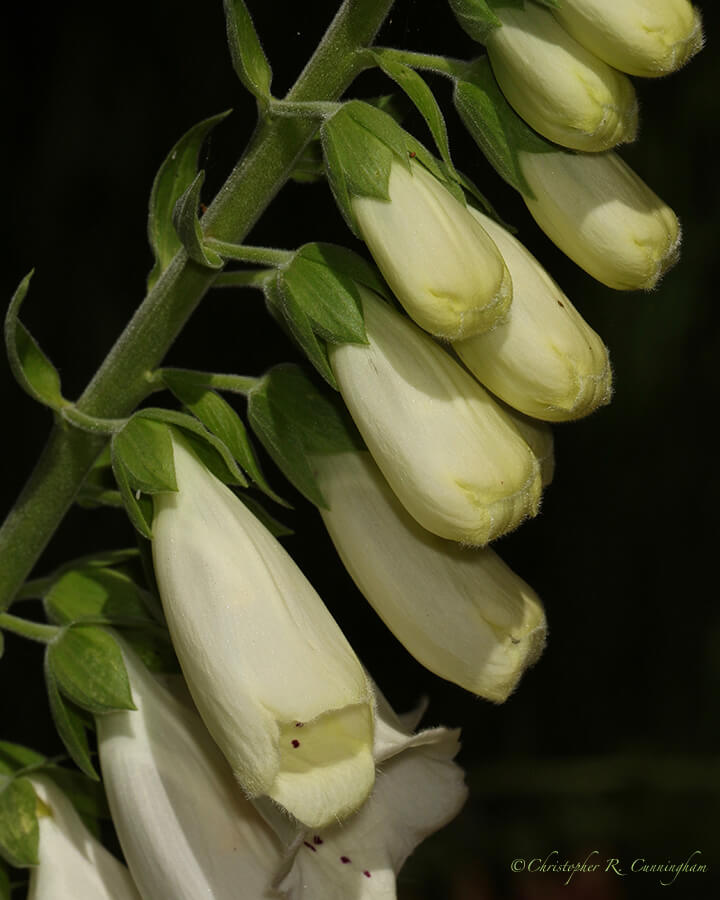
68,724
496,128
14,757
33,371
248,58
187,225
88,665
144,448
19,831
220,418
172,180
294,420
476,18
273,525
137,511
93,593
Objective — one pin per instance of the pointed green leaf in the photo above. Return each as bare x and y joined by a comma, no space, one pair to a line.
172,180
19,833
248,58
94,592
187,226
33,371
221,419
15,756
131,500
90,671
476,18
301,329
69,725
144,448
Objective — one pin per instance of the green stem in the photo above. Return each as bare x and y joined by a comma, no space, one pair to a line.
122,380
236,384
266,256
244,278
32,630
430,62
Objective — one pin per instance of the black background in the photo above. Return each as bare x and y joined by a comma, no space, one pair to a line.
611,742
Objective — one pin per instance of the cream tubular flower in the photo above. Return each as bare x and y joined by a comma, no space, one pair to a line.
272,675
641,37
184,826
544,359
73,864
438,260
462,613
605,218
539,437
418,790
451,455
561,89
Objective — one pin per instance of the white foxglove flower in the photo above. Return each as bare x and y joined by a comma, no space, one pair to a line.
539,437
73,864
462,613
418,790
561,89
272,675
640,37
451,455
603,216
438,260
184,826
544,359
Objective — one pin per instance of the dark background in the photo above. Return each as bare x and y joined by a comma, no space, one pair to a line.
611,742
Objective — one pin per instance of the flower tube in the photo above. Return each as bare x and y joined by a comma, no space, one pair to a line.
462,613
451,455
73,864
605,218
184,826
544,360
274,679
561,89
439,261
641,37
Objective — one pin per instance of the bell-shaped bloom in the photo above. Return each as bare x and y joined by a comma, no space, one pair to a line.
438,260
73,864
274,679
561,89
418,790
185,828
462,613
451,455
605,218
640,37
544,359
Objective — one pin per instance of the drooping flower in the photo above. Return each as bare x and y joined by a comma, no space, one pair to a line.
451,455
603,216
462,613
544,359
183,823
73,864
439,261
561,89
641,37
261,654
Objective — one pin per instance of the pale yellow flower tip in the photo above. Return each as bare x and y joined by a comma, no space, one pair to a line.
440,263
452,456
561,89
544,359
603,216
641,37
274,679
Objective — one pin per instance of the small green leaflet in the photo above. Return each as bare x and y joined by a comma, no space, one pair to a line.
33,371
174,177
476,18
19,832
92,593
144,448
187,225
248,58
69,724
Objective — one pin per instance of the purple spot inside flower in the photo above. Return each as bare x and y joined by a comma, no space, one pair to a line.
317,839
344,859
310,846
299,724
295,744
366,873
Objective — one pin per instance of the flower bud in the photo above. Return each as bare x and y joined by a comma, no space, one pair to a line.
462,613
605,218
544,359
539,438
272,675
561,89
438,260
641,37
184,826
73,864
451,455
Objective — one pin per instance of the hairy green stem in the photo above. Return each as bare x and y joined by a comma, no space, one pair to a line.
34,631
267,256
122,380
430,62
